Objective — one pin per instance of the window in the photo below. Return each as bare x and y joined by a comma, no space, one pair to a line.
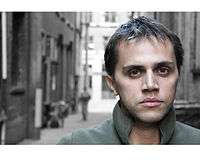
91,39
53,76
90,82
106,17
110,17
90,17
53,49
91,42
18,48
196,52
49,67
113,17
105,41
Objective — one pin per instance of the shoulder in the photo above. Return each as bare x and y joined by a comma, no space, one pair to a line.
185,134
101,134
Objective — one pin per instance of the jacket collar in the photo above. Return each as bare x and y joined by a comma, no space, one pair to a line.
123,123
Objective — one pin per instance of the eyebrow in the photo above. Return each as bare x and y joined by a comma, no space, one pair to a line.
165,63
160,64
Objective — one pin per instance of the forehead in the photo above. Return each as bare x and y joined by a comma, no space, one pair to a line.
145,51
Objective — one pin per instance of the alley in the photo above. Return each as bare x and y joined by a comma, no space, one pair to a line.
73,122
98,112
51,58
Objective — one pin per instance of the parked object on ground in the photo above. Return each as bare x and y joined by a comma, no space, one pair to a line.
55,114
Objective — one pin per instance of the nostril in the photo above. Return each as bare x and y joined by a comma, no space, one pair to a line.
150,90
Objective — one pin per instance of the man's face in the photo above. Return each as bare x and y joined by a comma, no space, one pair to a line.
145,78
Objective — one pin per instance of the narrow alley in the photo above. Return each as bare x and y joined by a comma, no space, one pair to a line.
97,114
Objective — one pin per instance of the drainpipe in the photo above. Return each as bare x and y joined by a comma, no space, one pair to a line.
86,54
4,73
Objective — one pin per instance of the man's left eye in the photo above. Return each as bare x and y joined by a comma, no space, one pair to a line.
163,71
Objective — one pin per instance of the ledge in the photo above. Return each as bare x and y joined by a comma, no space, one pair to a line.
17,90
186,104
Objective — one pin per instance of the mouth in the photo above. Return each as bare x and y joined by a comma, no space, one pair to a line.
151,102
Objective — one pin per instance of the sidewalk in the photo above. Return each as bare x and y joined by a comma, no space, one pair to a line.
72,122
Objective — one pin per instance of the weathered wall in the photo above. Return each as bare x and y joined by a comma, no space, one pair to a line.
33,39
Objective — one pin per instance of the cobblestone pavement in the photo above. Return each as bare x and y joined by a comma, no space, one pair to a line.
72,122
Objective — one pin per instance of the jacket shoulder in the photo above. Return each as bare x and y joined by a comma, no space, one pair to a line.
185,134
101,134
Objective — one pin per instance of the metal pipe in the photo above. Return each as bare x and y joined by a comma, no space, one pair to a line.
4,44
38,108
3,133
86,53
4,67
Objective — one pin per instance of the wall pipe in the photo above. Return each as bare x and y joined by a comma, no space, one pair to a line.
4,67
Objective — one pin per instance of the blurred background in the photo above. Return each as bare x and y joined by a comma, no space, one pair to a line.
49,59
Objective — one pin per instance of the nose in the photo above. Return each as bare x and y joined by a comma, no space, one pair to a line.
150,82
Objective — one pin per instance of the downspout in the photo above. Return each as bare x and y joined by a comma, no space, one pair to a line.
4,70
75,96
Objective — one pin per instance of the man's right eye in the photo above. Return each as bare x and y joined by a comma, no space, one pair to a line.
134,73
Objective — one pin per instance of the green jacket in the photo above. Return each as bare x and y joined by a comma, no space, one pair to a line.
117,129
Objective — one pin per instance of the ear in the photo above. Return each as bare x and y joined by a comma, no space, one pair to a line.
111,84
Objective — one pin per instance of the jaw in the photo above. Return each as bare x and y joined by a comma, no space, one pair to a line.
148,115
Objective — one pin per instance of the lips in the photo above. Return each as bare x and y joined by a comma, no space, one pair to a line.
151,102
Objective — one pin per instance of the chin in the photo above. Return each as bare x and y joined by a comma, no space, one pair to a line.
150,118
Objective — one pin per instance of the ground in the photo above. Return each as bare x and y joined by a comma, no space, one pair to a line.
98,113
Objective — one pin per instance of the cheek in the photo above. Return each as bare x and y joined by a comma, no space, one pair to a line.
128,89
168,88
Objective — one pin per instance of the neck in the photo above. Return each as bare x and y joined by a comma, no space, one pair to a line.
144,134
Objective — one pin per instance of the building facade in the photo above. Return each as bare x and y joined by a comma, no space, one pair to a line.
101,26
42,51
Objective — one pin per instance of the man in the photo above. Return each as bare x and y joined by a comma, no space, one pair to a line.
84,99
143,60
